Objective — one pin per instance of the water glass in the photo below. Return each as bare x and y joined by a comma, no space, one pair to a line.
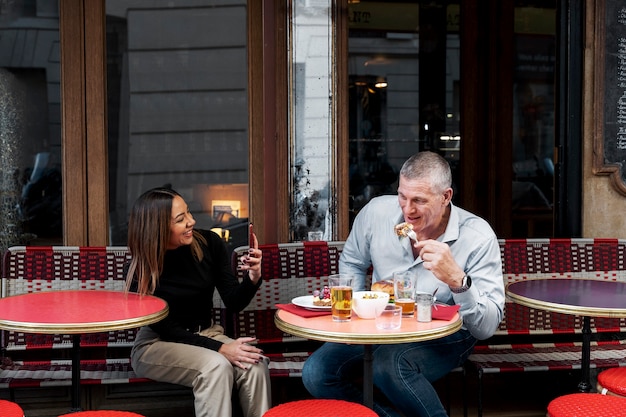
341,296
389,317
315,235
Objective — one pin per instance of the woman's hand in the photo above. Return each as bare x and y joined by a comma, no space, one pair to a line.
251,261
240,353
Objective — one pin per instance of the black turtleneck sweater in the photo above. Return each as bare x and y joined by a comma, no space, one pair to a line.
188,285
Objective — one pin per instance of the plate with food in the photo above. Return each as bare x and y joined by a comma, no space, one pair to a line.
311,302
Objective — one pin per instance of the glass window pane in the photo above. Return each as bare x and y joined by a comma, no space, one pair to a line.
533,119
30,124
311,122
177,109
403,61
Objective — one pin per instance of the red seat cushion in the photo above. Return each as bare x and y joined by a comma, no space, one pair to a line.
102,413
10,409
320,408
586,405
613,380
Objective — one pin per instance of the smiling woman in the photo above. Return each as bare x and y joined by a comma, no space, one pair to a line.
184,266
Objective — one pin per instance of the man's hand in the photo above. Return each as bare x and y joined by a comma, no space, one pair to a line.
438,259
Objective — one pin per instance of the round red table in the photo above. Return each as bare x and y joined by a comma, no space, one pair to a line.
79,311
582,297
364,332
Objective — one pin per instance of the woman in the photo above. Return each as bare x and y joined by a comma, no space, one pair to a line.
184,266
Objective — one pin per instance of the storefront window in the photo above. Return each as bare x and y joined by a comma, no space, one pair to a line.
178,111
533,120
404,72
30,124
311,132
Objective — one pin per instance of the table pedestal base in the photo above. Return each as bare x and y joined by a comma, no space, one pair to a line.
368,383
75,373
584,385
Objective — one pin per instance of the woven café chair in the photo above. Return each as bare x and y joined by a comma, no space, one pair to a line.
10,409
102,413
587,405
320,408
612,382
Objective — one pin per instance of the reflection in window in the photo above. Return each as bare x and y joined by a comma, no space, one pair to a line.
403,62
30,125
178,112
533,120
311,125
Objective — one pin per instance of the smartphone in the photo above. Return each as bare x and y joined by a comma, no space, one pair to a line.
251,236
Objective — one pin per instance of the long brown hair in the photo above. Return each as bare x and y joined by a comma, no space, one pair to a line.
148,237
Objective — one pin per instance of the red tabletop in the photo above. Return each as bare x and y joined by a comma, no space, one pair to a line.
363,331
586,297
80,311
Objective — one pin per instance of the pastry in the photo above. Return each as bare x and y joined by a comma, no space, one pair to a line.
322,299
384,286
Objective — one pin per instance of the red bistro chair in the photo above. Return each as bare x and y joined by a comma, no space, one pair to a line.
320,408
586,405
102,413
10,409
612,382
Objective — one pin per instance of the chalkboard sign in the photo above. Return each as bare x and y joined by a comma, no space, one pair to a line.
610,91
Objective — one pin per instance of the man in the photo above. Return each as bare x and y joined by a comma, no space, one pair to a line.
456,252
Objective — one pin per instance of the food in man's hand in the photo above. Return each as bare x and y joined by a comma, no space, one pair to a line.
384,286
403,229
322,299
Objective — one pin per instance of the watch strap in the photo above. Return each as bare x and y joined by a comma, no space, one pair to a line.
465,285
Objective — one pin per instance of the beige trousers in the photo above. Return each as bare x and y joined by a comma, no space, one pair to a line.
210,375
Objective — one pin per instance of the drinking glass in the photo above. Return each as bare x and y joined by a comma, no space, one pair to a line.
388,317
315,235
404,291
341,296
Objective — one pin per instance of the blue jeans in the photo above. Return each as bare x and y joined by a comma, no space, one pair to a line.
402,372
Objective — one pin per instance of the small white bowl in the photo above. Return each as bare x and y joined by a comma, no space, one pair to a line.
364,303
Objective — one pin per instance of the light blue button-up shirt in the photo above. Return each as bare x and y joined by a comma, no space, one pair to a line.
474,245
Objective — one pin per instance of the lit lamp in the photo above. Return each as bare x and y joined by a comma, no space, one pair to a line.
224,233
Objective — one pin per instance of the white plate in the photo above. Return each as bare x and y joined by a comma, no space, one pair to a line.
306,301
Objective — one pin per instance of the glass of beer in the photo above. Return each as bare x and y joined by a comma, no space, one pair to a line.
404,291
341,296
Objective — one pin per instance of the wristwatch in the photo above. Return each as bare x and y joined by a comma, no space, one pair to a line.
465,285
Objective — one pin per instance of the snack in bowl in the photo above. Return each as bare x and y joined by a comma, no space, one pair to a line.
385,286
322,299
364,303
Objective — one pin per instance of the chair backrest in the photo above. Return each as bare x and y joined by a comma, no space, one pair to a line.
289,270
576,258
42,268
293,269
